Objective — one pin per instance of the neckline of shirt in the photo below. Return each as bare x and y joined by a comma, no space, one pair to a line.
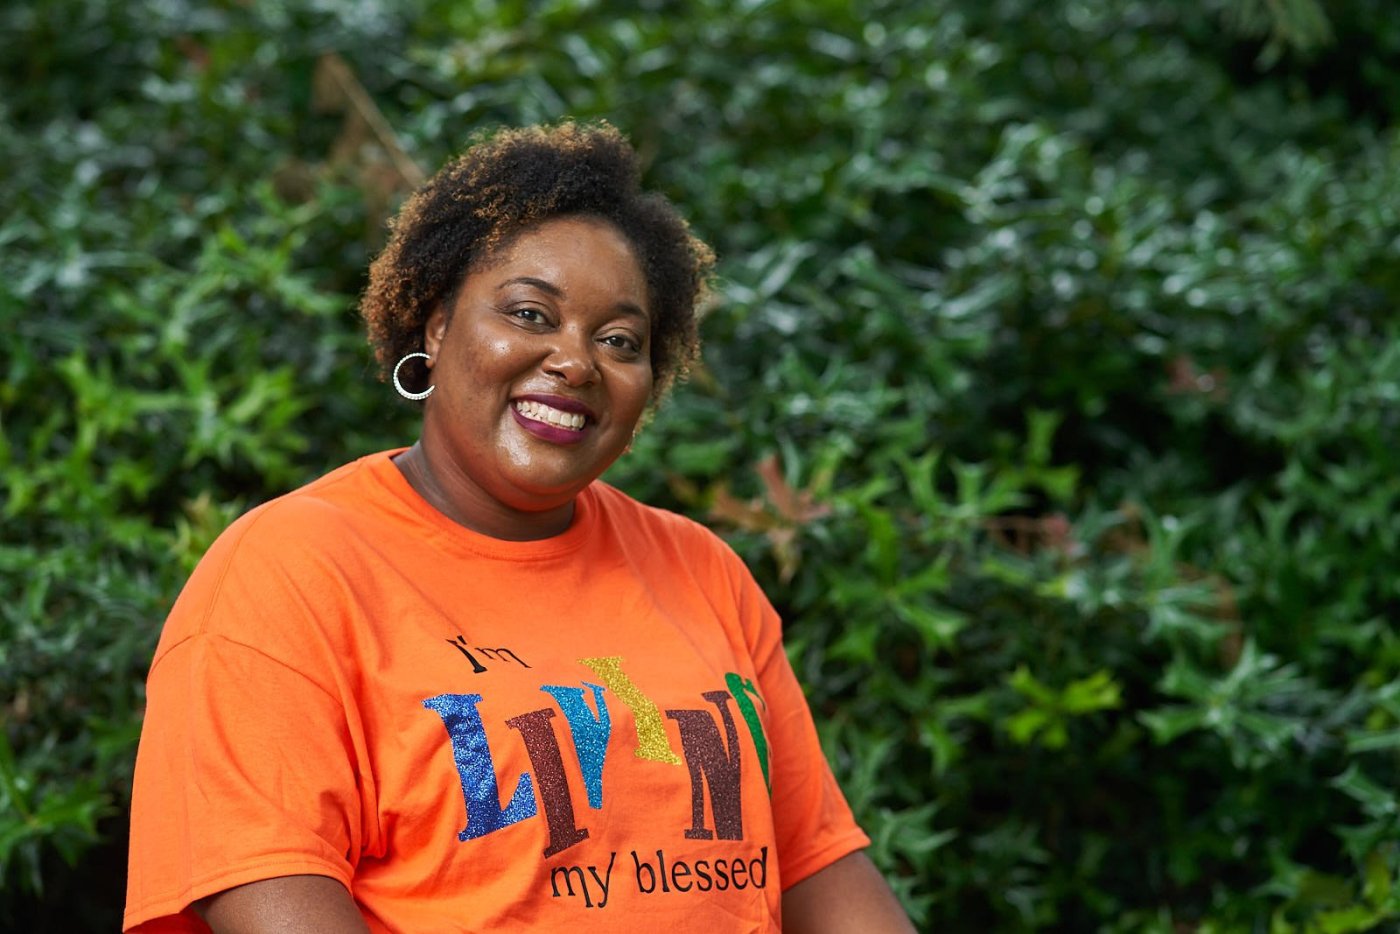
382,469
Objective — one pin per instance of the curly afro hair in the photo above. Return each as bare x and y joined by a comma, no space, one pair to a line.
502,186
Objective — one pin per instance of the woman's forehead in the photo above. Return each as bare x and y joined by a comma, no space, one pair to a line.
571,254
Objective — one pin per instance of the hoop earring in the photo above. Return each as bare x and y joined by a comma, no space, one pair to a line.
398,386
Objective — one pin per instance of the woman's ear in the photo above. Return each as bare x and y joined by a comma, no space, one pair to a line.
434,330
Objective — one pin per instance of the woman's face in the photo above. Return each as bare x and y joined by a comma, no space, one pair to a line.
542,369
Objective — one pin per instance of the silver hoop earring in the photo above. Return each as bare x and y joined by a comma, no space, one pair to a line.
414,396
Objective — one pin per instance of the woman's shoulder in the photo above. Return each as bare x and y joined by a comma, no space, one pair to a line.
320,509
679,541
275,552
629,514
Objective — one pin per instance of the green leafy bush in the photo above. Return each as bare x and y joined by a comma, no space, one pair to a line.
1050,391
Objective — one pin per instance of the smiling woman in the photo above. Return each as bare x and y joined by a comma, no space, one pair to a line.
467,685
541,371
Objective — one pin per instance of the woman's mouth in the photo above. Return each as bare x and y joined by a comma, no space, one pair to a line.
539,412
548,423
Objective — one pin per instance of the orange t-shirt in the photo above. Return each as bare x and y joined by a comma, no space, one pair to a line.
598,731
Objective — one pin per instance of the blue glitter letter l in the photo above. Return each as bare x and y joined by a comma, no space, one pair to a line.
590,734
476,770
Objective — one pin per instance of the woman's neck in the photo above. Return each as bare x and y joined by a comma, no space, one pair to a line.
471,508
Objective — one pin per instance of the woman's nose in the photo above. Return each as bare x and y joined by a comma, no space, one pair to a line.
572,360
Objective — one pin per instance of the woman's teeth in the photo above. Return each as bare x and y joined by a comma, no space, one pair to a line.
538,411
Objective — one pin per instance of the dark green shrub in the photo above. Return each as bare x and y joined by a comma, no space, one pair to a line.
1051,393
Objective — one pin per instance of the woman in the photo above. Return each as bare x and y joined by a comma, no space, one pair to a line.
465,686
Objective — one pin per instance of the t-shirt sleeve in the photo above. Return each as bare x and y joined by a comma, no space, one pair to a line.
246,769
812,821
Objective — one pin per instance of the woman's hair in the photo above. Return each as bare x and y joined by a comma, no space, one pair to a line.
502,186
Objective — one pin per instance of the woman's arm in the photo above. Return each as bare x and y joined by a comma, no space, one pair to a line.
848,895
286,905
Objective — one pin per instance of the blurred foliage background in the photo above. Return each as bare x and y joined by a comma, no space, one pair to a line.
1052,391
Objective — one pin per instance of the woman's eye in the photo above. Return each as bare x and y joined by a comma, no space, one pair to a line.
623,342
532,315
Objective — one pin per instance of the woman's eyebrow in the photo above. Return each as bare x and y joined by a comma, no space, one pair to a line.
544,285
633,311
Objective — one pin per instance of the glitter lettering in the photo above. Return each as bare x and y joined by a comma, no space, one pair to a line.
590,734
741,689
652,742
543,749
710,765
472,755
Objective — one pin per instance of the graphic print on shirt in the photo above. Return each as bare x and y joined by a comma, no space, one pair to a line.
711,755
460,644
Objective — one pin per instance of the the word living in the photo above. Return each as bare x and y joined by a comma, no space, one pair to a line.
712,761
